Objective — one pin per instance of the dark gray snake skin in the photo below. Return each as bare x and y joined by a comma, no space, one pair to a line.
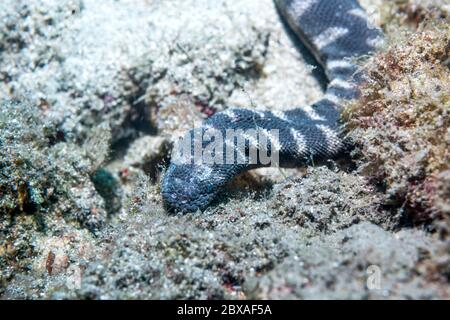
334,31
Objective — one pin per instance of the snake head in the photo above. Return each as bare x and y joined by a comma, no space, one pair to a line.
189,187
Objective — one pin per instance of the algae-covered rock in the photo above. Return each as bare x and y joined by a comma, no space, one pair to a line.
45,184
103,88
260,247
401,124
360,262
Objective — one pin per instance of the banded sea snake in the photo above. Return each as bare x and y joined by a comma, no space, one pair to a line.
335,31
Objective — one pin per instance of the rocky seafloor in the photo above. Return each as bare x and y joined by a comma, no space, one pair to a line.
93,94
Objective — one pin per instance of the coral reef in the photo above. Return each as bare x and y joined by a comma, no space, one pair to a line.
42,174
263,247
93,93
321,268
44,180
401,124
119,62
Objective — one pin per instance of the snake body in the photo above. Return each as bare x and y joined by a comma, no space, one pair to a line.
335,31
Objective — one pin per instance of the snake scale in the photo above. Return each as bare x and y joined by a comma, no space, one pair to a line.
336,32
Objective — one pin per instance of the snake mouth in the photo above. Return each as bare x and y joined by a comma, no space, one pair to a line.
175,202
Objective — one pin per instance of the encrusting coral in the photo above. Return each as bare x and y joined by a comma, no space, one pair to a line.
401,124
42,173
46,183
